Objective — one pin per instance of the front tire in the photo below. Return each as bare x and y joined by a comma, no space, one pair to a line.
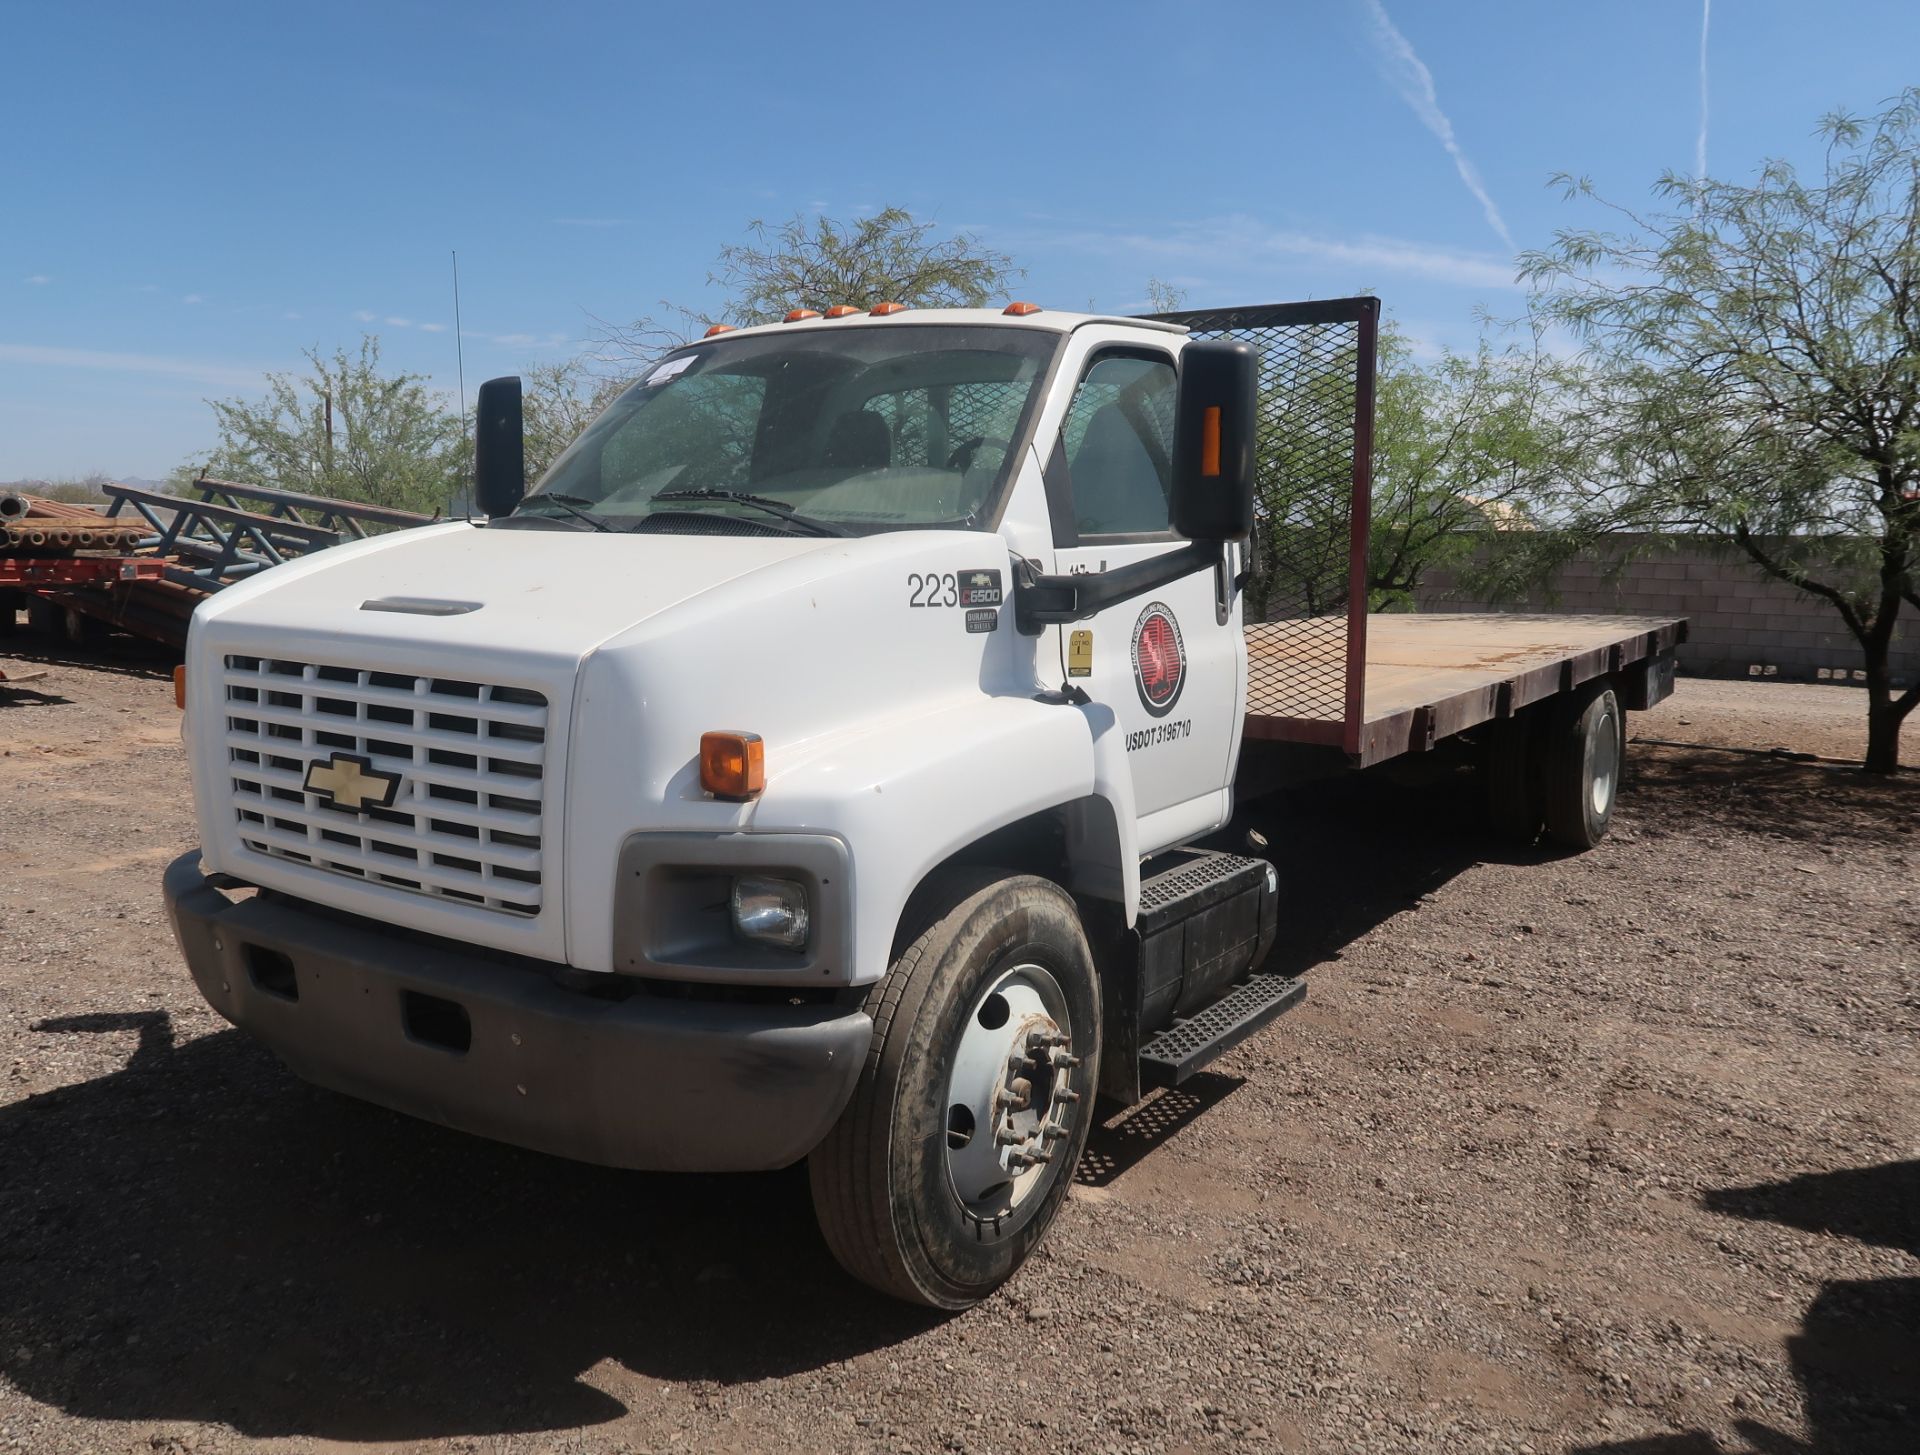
958,1147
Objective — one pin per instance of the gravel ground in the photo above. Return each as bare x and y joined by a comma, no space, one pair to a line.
1610,1153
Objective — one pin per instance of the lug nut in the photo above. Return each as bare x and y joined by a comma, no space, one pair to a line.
1066,1095
1065,1062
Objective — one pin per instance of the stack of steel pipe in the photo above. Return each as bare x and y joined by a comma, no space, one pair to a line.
30,525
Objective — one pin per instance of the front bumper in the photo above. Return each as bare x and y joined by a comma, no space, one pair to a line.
645,1082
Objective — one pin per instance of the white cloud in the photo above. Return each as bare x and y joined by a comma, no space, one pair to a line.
1242,246
1700,142
193,298
38,280
1414,82
225,376
433,328
364,315
393,322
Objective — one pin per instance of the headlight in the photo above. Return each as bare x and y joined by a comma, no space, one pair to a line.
772,911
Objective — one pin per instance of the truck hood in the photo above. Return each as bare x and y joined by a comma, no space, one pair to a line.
462,589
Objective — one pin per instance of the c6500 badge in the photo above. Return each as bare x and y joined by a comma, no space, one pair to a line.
980,588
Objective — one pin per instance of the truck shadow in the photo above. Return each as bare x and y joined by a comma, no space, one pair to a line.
1355,849
201,1237
198,1236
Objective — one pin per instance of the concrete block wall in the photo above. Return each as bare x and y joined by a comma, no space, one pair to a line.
1741,622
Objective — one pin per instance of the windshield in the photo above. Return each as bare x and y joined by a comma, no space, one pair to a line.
841,432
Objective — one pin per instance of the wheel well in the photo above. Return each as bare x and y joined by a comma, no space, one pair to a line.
1070,844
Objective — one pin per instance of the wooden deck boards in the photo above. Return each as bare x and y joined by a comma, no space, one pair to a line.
1430,676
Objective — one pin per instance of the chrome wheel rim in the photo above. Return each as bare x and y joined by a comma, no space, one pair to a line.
1606,763
1009,1103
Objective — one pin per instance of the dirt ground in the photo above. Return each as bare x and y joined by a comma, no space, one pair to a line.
1610,1153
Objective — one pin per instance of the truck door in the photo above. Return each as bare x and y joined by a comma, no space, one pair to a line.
1165,662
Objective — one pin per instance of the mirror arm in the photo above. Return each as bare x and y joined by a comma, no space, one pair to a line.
1041,600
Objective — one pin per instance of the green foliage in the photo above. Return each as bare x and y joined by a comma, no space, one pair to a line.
1473,454
561,400
1761,379
889,256
346,430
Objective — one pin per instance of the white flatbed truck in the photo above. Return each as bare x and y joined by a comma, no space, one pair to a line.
817,763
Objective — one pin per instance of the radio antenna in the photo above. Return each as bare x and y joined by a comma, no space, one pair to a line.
460,366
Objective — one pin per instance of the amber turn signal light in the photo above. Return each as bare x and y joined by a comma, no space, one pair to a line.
180,687
733,765
1210,442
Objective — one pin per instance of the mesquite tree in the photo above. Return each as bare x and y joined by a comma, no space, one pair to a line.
1761,379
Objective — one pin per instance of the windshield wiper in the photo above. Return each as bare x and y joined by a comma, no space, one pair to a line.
571,504
760,502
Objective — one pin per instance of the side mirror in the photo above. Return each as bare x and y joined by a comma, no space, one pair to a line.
499,447
1213,431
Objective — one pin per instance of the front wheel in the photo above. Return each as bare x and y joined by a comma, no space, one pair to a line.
957,1149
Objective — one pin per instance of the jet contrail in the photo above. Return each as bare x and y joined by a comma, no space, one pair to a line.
1415,84
1700,143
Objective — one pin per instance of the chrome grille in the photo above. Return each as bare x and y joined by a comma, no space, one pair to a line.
465,824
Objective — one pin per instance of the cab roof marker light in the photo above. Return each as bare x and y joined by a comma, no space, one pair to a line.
719,328
799,313
887,310
1019,309
841,310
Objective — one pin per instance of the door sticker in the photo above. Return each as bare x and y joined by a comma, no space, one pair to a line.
1080,654
983,619
1159,659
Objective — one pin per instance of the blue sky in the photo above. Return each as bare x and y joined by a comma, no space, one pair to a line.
192,193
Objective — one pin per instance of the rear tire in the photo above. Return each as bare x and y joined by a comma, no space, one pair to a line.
1586,750
1510,770
986,1042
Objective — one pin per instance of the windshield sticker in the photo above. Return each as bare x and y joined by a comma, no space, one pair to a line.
983,619
672,369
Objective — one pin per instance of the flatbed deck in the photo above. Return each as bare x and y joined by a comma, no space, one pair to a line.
1427,677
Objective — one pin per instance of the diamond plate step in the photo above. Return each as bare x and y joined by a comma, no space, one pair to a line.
1194,1041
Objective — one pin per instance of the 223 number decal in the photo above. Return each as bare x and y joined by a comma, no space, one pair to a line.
962,588
933,590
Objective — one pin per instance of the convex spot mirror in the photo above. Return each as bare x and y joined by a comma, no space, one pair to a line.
1213,436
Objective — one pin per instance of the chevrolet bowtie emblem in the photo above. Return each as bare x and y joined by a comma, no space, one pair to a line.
351,782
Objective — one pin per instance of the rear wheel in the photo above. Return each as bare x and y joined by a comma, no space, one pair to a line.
958,1147
1510,772
1585,753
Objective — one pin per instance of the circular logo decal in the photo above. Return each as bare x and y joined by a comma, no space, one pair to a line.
1159,659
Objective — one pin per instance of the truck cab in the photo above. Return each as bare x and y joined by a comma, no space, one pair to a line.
803,768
